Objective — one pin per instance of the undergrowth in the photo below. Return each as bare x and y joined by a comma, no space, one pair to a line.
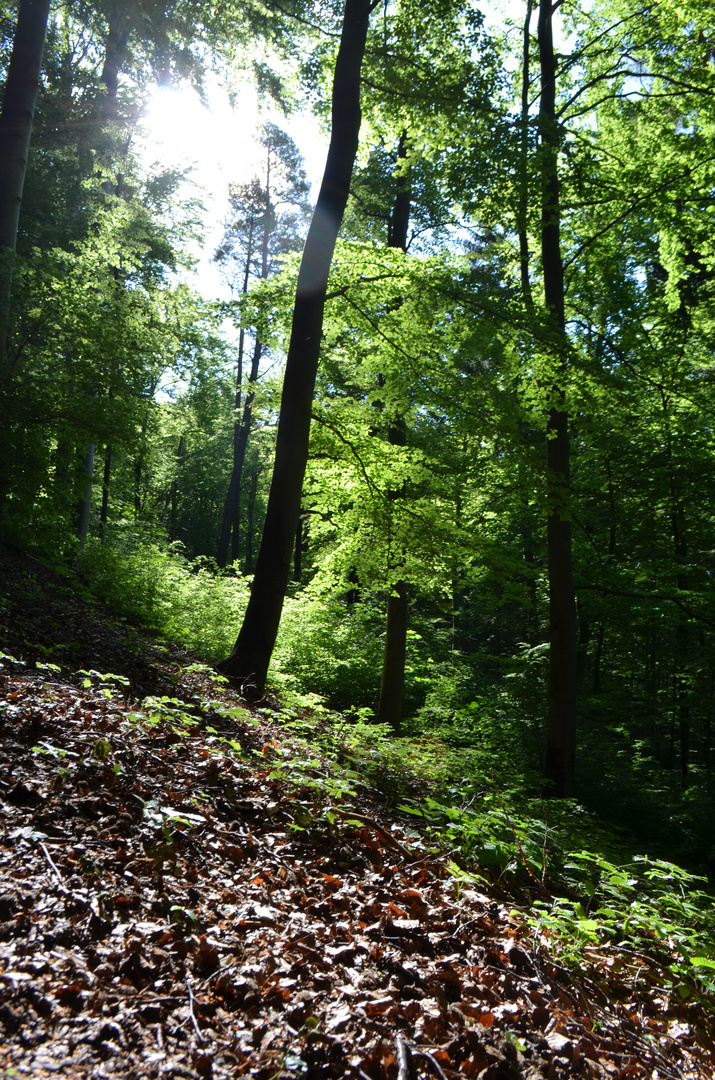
461,773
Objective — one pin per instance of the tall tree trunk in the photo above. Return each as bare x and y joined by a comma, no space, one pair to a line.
523,167
18,110
298,554
106,476
561,731
392,686
250,507
85,505
114,56
236,530
234,486
241,433
174,501
248,663
682,633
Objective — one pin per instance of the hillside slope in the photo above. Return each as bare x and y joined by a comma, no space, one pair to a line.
172,905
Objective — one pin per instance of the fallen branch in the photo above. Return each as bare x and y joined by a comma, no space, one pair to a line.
365,820
403,1059
199,1036
47,855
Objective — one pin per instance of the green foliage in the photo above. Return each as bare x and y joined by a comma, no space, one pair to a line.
185,602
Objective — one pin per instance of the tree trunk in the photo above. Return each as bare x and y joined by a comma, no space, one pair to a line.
523,168
85,506
298,554
236,530
248,663
250,507
561,731
104,514
392,686
241,432
175,489
18,110
114,56
682,634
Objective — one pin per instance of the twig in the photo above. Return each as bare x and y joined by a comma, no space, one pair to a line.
419,1052
199,1036
221,971
388,837
403,1059
59,875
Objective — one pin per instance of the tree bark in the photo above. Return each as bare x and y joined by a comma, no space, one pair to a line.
241,432
250,507
248,663
114,56
85,505
561,731
523,168
392,685
298,554
18,110
106,477
234,486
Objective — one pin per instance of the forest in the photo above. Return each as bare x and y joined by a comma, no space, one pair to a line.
419,505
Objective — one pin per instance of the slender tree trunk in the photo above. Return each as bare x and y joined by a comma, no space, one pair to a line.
106,477
248,663
231,504
523,168
85,506
392,686
250,507
682,633
139,469
298,554
561,732
597,658
175,489
236,530
18,110
114,56
241,433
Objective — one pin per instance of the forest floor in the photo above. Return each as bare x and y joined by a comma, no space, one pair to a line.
172,906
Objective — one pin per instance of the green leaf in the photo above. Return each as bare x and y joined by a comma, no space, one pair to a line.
102,750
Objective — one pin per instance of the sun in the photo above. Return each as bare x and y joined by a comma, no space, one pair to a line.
213,140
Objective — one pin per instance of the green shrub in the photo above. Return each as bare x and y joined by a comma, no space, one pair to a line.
190,603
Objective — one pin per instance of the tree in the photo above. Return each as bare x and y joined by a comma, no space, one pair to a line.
18,109
265,224
392,686
16,119
248,663
561,733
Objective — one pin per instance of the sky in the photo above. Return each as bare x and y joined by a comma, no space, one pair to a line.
216,140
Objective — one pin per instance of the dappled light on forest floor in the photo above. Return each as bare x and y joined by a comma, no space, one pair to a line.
173,906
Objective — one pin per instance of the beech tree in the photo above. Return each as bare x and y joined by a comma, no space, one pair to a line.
265,224
248,663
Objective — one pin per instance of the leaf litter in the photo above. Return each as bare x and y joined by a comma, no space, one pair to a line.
172,906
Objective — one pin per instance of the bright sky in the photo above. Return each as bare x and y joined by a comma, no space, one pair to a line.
217,142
